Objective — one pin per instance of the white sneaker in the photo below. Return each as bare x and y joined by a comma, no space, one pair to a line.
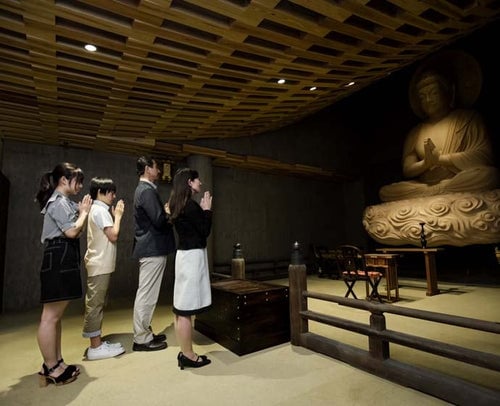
104,351
112,345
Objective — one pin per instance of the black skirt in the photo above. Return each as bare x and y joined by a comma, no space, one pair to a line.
60,274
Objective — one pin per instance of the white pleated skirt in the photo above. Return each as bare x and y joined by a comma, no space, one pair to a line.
192,293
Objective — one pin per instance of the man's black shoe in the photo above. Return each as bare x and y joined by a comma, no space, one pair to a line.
151,346
159,337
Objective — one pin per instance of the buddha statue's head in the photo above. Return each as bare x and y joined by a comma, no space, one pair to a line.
455,74
435,94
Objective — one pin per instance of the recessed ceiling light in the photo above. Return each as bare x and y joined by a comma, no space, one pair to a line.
90,48
281,81
312,88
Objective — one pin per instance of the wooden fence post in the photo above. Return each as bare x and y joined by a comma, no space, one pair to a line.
297,277
378,348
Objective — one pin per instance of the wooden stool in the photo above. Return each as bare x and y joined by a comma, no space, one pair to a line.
387,263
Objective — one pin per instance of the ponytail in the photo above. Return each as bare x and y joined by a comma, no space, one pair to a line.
50,180
45,190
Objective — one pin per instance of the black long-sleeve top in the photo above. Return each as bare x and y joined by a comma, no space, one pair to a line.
193,226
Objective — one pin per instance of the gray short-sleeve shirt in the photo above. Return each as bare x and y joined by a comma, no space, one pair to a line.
60,214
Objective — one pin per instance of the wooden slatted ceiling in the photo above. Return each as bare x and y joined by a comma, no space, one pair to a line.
169,72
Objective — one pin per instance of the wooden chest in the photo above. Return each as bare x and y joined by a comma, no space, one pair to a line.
246,316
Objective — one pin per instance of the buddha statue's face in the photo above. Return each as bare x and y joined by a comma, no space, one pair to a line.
434,96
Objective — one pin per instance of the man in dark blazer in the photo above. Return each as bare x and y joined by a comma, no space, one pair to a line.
153,241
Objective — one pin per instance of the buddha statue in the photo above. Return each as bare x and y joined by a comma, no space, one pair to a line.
449,151
452,185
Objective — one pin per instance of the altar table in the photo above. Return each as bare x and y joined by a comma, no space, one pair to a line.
430,264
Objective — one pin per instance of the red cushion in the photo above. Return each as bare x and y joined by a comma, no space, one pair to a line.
371,274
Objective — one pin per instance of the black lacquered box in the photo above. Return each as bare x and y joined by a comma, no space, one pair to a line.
246,316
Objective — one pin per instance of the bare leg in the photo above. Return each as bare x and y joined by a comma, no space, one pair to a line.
184,333
95,341
58,339
49,334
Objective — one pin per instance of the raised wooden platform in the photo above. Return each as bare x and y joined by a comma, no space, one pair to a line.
246,316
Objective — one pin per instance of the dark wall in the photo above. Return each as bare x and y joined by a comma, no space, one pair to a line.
23,165
4,212
265,213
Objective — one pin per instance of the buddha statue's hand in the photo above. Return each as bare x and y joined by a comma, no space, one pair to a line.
431,154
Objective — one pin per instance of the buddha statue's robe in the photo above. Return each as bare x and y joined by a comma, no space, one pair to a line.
462,136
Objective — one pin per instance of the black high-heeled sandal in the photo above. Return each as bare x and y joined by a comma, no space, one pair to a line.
185,362
66,377
72,368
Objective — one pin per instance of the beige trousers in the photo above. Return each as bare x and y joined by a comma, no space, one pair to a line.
95,300
150,276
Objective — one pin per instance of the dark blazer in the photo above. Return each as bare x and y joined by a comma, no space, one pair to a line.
154,235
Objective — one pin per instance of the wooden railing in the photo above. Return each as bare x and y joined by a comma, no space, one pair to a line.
376,359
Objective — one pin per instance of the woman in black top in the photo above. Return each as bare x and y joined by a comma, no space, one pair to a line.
192,294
